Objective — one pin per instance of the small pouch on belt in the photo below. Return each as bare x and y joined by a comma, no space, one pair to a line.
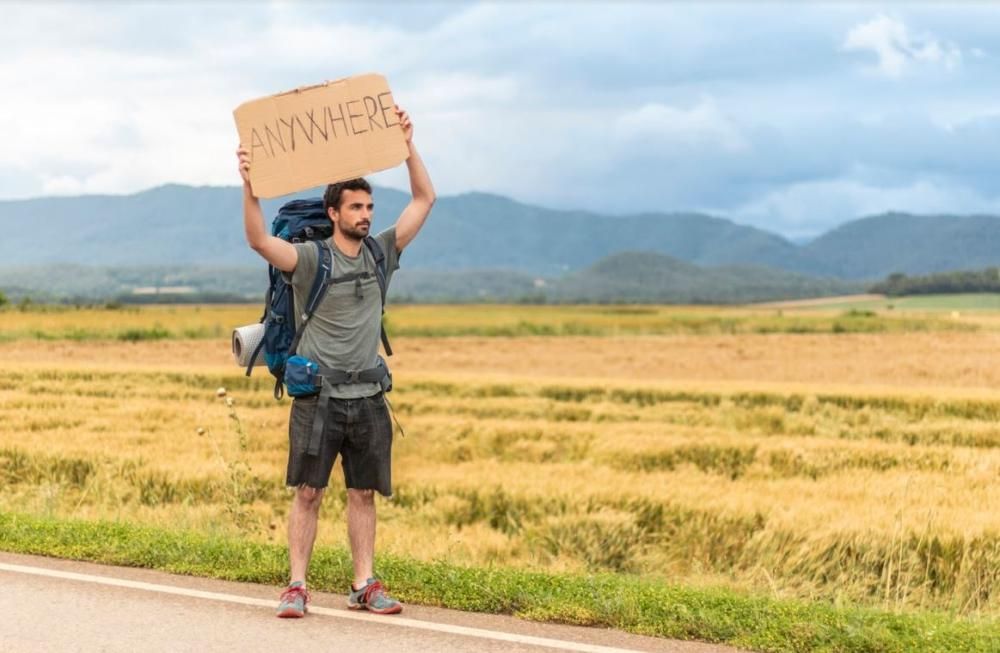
302,377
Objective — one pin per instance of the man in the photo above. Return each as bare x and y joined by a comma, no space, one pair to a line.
343,334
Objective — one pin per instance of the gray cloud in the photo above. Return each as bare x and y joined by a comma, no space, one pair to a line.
757,112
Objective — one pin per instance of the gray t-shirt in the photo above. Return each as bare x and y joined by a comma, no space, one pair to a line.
344,332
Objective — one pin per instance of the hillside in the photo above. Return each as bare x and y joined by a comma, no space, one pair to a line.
202,226
622,277
650,277
174,224
877,246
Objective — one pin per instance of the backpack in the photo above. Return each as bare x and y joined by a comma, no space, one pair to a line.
301,221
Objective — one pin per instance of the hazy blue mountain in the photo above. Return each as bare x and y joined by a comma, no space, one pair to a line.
479,230
101,283
875,247
187,225
166,225
649,277
202,226
622,277
465,286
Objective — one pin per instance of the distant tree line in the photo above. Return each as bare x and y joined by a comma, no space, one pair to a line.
966,281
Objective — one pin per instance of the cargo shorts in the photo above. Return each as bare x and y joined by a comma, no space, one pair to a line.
360,430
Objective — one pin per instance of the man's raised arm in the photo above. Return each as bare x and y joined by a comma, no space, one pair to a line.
275,251
413,216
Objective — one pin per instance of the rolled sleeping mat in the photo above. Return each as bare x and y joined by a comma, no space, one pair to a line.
245,341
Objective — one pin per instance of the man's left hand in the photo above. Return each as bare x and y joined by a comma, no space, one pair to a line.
405,124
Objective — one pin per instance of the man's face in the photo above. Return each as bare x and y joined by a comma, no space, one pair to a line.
354,218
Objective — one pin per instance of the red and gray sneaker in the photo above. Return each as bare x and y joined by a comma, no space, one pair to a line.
293,601
372,597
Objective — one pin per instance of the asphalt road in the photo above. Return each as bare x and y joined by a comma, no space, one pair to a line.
58,605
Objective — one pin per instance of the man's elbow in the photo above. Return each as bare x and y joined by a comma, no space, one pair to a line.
255,240
257,245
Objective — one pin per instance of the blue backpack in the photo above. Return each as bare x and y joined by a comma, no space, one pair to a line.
302,221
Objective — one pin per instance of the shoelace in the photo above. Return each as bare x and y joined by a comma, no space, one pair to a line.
289,594
373,589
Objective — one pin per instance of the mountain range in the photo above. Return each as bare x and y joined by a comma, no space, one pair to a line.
183,225
511,247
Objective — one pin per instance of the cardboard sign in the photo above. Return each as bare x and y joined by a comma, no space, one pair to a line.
317,135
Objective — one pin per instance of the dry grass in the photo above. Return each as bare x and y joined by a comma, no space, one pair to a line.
135,324
931,363
850,467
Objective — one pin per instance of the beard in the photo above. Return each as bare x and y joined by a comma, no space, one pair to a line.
356,232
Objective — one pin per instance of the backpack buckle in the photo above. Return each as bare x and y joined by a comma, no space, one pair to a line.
354,376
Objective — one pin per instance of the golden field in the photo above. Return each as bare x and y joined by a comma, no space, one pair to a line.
759,448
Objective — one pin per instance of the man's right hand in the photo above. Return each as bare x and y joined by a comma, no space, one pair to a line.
244,156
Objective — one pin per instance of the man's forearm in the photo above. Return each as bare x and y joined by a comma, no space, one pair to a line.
253,219
420,182
277,252
413,216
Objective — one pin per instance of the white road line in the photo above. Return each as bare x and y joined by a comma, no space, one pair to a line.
340,614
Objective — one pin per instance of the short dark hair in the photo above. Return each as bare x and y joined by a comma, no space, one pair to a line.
332,196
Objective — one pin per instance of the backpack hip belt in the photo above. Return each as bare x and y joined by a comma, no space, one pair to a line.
337,377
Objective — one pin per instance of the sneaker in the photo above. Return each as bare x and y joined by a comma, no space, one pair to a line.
293,601
372,597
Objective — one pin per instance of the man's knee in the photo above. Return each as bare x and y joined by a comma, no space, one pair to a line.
309,497
361,497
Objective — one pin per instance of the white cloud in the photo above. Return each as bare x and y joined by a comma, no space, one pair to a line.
450,91
63,185
660,125
896,48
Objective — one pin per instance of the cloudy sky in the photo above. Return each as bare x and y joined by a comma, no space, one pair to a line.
792,117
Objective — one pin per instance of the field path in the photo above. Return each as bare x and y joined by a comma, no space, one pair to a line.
922,362
59,605
818,301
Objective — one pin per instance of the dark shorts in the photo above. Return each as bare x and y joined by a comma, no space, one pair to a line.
360,430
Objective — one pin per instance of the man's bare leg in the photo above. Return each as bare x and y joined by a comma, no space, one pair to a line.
361,532
302,523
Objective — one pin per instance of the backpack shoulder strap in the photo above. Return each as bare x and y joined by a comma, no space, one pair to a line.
380,266
380,274
324,273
